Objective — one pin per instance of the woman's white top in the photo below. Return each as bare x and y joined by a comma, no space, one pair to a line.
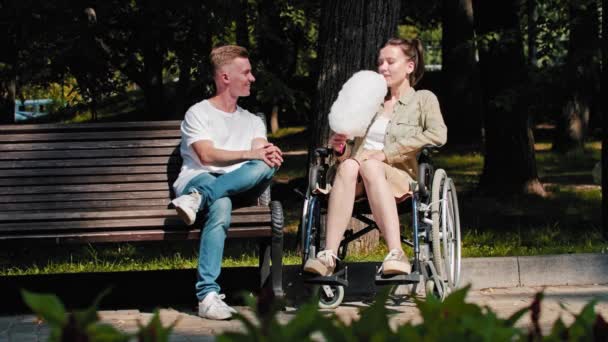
374,140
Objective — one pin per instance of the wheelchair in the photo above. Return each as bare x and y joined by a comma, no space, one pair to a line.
435,239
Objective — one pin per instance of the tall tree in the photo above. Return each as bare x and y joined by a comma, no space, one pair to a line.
10,25
604,86
460,75
192,38
152,25
532,11
582,70
351,32
510,162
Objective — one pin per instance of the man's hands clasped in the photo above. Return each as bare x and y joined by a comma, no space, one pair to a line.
269,153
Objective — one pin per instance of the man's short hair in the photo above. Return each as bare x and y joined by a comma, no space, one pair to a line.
223,55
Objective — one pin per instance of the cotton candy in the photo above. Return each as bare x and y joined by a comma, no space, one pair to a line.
357,103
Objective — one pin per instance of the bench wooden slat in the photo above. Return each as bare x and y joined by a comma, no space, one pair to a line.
83,171
91,126
87,145
258,212
145,177
151,203
84,136
62,163
143,195
137,235
117,224
111,182
98,153
84,188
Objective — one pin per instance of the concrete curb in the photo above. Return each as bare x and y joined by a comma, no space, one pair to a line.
497,272
544,270
78,289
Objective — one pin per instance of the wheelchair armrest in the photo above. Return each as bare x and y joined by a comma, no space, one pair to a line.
425,153
425,177
323,152
425,169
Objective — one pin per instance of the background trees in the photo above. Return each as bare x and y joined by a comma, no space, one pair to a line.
461,105
509,164
499,69
581,73
604,100
351,32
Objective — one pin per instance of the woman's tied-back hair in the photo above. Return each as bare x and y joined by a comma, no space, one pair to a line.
413,50
223,55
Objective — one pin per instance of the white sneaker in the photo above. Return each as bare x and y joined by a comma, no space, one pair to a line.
187,206
213,307
324,264
396,263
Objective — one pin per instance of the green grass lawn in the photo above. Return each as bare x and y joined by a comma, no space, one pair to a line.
566,221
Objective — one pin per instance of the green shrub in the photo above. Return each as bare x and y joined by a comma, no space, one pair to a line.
451,320
84,325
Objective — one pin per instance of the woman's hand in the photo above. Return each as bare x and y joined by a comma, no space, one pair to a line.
338,142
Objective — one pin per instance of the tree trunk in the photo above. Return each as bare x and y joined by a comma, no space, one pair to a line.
532,10
351,33
510,162
11,56
604,86
153,62
183,85
461,104
242,26
274,119
581,73
7,102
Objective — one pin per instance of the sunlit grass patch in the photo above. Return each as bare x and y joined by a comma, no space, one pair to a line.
550,239
286,131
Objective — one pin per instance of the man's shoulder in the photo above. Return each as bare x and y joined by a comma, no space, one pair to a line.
245,113
198,107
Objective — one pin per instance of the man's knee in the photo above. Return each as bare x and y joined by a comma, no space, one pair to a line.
259,169
372,169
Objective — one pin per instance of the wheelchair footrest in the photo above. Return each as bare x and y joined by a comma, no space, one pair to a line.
411,278
339,278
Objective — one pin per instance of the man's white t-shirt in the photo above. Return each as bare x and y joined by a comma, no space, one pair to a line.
228,131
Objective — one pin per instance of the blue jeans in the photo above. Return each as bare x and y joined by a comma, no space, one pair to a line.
215,189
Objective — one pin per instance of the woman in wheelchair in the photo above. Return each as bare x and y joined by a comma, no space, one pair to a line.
382,164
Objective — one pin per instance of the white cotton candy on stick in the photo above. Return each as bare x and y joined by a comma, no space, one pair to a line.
357,103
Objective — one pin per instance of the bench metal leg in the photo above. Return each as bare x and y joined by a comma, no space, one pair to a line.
277,248
264,262
271,253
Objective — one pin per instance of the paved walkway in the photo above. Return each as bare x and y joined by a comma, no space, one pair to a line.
503,301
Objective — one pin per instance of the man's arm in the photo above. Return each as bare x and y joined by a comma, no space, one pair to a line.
260,149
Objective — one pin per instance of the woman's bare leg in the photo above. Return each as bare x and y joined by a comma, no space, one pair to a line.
381,201
341,202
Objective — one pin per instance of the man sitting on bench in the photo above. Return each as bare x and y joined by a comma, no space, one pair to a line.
225,153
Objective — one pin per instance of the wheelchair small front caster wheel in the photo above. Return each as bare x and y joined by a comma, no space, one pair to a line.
429,287
436,287
330,296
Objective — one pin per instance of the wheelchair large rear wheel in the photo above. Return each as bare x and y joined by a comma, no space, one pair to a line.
312,226
446,239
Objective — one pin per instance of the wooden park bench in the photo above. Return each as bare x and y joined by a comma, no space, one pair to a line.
112,182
